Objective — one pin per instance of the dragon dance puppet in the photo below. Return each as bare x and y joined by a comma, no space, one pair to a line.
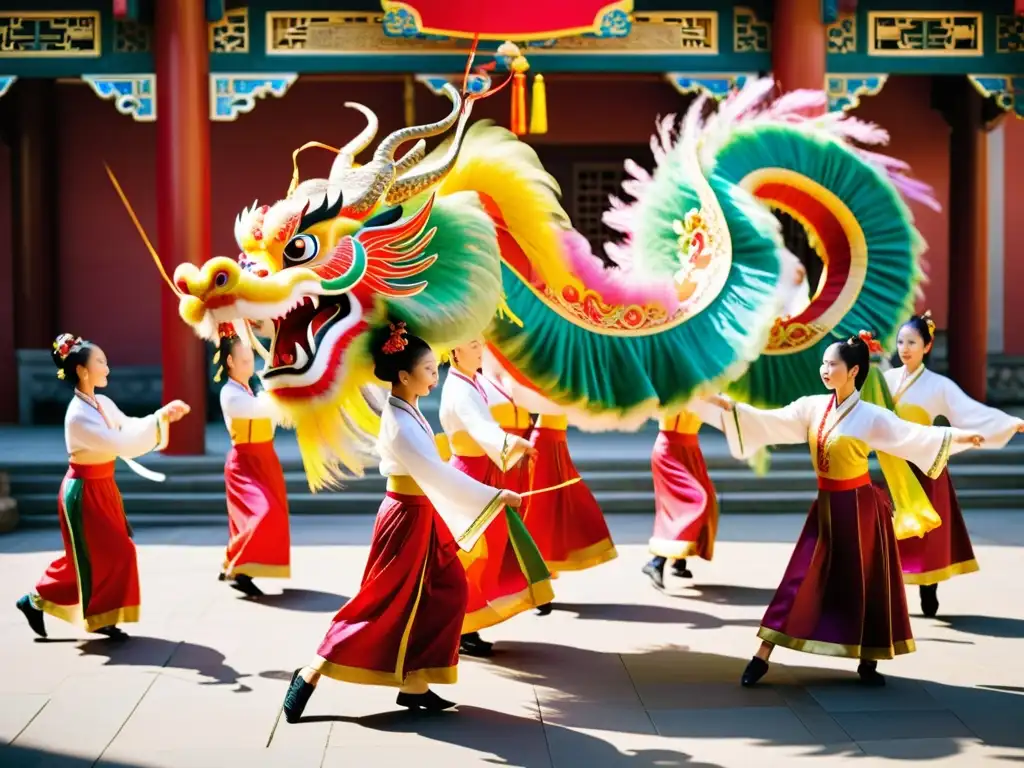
473,238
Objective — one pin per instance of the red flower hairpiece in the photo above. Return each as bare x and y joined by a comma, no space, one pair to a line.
396,341
868,338
65,343
226,330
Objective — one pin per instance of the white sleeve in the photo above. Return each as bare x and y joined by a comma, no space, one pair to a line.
927,447
750,429
132,438
236,404
466,506
503,449
966,413
708,413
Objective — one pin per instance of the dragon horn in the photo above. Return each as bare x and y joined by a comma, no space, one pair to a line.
347,154
382,171
414,183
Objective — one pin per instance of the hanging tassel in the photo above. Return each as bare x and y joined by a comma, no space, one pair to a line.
539,107
519,68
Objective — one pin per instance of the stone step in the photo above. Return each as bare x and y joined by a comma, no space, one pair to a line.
40,509
639,478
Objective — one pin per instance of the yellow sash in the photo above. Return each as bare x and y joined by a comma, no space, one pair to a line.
465,446
549,421
251,431
404,485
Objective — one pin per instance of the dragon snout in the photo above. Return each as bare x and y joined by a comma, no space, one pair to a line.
217,277
207,287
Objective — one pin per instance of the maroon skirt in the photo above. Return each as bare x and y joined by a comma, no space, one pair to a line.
843,594
946,551
405,622
258,528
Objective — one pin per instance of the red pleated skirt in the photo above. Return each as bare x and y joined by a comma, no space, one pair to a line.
405,622
96,580
567,525
259,537
685,504
499,585
943,552
843,594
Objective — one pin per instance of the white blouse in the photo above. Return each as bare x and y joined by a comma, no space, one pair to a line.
464,409
924,395
238,402
407,448
749,429
92,439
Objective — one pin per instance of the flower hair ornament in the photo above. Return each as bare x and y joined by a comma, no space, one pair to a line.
64,344
874,347
396,341
927,317
224,331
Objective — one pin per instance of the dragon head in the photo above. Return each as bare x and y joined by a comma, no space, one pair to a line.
323,265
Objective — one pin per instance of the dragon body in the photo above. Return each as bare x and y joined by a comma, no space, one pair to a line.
472,239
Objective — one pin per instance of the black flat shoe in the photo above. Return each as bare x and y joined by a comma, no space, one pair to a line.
472,644
929,599
655,571
112,632
428,701
244,585
297,697
869,675
756,669
33,615
680,570
544,610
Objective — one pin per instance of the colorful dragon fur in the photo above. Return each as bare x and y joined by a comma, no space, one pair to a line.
472,238
848,200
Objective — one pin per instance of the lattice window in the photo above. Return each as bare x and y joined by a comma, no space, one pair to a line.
591,185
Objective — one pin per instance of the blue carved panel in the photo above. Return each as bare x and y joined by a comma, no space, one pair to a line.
6,81
235,94
133,95
716,85
1006,90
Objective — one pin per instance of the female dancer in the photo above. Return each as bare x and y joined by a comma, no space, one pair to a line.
685,503
842,594
921,395
402,628
567,524
96,580
258,530
501,582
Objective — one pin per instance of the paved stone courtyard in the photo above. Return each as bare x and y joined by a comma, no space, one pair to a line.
618,675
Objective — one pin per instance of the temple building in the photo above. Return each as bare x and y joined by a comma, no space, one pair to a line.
196,105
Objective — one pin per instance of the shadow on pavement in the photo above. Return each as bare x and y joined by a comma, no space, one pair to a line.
13,756
508,737
311,600
989,626
729,594
157,652
649,614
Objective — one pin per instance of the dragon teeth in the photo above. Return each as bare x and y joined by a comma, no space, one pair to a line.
301,358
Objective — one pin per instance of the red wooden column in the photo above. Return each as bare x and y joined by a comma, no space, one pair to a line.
34,155
798,45
183,198
968,242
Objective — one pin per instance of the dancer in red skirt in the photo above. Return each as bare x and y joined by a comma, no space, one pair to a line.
96,580
402,628
501,584
685,503
567,524
921,396
259,543
842,593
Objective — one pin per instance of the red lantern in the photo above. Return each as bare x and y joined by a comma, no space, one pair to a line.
518,20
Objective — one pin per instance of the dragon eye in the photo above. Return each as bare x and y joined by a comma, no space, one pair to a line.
301,249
